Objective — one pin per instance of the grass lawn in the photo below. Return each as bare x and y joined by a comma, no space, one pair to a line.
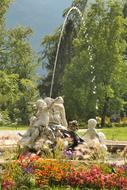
13,127
114,133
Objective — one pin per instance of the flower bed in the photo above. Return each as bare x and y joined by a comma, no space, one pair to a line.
32,172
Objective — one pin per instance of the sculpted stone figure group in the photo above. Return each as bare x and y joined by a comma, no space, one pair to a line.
50,123
50,114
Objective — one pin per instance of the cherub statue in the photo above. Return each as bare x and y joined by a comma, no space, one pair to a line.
92,137
57,114
38,122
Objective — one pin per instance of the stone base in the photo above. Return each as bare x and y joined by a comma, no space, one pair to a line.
114,146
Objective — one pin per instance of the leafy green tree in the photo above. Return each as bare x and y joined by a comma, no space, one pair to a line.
21,61
8,92
4,5
96,71
14,102
9,88
125,16
66,51
125,9
17,65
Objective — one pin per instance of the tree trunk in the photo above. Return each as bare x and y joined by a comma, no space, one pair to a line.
104,112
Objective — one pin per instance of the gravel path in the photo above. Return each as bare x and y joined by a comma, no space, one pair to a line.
11,132
10,137
14,133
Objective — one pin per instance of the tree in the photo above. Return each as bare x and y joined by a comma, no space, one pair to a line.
4,5
97,68
9,88
21,61
66,51
125,16
8,92
17,65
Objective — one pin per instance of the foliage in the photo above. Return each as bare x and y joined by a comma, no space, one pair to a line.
17,65
21,60
95,76
50,44
14,100
8,93
91,69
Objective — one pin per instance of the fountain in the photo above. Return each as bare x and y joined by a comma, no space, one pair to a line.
50,124
59,42
58,47
49,127
48,131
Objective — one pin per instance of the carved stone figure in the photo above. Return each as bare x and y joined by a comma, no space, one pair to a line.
91,132
57,114
92,137
38,122
49,125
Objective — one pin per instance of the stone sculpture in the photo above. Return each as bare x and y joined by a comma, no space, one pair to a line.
49,112
92,137
57,114
49,126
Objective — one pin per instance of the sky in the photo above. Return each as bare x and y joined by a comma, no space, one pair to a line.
43,16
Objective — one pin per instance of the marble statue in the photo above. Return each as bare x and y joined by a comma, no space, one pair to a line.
57,114
92,137
93,146
49,126
38,122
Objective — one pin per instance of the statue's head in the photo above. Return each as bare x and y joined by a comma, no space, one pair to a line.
40,103
48,100
92,123
59,100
